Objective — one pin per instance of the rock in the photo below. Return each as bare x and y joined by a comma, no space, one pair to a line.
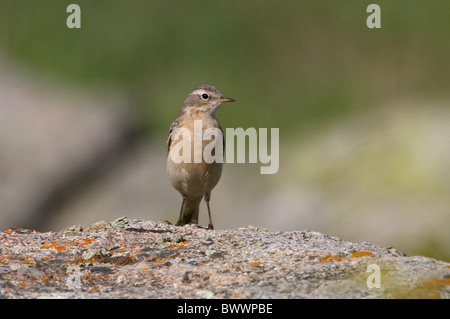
95,253
119,222
73,229
251,227
147,259
97,226
204,294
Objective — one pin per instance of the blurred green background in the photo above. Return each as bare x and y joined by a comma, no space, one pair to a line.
296,62
311,68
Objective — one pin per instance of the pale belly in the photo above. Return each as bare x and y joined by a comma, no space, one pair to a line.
194,179
199,170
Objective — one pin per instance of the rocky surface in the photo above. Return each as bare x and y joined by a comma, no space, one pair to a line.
146,259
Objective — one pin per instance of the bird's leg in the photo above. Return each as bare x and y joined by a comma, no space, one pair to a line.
210,224
179,222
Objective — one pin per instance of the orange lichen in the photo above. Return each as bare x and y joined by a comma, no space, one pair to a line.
331,257
62,245
326,258
54,245
87,241
445,281
255,264
339,258
361,254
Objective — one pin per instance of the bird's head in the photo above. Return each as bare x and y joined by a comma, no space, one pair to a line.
205,98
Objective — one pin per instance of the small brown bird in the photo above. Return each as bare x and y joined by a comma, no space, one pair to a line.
195,179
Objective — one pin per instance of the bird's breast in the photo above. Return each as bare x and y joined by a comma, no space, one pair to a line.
199,159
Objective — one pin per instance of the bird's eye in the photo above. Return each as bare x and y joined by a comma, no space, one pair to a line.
205,96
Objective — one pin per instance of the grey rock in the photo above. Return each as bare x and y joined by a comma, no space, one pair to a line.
204,294
73,229
191,262
93,253
119,222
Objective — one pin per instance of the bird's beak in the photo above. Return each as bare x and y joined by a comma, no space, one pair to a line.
226,99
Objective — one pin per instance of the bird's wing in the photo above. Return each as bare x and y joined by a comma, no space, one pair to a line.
174,125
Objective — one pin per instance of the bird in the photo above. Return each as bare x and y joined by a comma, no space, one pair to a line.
195,180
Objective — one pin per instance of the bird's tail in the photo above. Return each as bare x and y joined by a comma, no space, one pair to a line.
189,215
